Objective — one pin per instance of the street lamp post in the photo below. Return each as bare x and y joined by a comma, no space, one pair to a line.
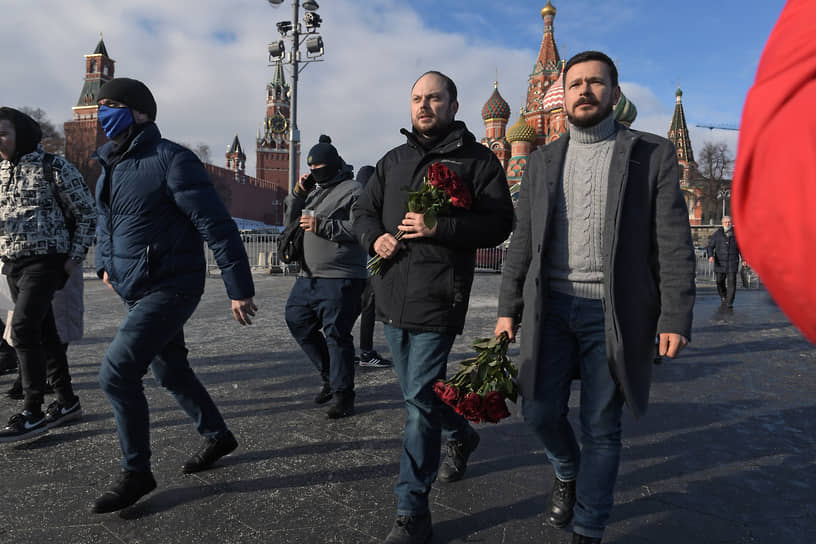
277,51
723,195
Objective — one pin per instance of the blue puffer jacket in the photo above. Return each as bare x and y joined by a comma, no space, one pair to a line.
155,204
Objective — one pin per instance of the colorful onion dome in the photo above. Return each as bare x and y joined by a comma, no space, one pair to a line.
678,92
554,98
549,9
625,111
521,131
496,107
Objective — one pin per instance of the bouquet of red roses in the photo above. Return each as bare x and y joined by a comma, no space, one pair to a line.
479,389
442,189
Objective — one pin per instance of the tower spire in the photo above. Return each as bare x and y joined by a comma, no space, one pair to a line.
678,134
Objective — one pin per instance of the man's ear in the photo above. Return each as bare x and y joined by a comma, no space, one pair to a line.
455,106
616,94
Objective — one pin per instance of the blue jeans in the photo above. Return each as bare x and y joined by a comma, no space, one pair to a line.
420,359
331,304
152,336
573,339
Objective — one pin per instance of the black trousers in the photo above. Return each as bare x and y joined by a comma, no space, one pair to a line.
367,318
32,282
727,287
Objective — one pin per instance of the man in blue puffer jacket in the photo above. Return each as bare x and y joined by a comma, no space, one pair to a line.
155,204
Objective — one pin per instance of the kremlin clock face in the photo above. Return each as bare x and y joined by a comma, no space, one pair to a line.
278,123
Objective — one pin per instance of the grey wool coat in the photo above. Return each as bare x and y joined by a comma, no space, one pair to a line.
648,259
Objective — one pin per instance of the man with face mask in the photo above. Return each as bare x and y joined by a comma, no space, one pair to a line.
156,207
724,254
40,250
423,290
600,263
325,300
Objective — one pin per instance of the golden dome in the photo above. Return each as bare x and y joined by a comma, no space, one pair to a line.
521,131
549,9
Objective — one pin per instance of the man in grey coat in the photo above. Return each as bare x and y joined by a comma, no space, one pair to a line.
325,300
602,255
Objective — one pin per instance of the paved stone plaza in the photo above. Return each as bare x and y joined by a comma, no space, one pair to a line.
726,453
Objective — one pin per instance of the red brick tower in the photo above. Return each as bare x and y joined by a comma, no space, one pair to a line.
83,135
236,158
545,72
273,137
679,135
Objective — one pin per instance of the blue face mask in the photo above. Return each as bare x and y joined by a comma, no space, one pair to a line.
114,121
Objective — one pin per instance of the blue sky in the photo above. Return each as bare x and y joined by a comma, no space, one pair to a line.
206,62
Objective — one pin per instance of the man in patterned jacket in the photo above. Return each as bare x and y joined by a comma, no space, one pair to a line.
47,222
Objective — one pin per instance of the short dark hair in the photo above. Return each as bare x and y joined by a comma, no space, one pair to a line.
452,93
585,56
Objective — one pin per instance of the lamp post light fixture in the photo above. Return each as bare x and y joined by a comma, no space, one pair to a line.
291,30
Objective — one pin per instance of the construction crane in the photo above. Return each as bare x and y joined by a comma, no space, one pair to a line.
719,127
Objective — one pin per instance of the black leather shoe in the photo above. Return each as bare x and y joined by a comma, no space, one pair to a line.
458,452
325,394
212,450
131,487
581,539
410,530
558,512
343,405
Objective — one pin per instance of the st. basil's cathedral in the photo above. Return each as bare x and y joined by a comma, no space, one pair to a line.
542,120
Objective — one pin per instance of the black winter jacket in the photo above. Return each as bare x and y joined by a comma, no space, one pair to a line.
725,251
426,286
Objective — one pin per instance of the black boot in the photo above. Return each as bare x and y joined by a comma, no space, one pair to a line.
8,359
212,450
325,394
131,487
558,512
343,405
455,464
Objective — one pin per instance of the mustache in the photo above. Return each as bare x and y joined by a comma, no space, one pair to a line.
586,100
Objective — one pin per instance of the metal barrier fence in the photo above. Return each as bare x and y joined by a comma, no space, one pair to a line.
747,278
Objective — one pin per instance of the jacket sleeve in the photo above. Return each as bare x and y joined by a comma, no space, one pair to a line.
675,249
195,195
102,248
519,254
340,229
490,218
366,212
76,197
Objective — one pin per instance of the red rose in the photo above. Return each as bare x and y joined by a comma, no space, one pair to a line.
470,408
448,394
495,409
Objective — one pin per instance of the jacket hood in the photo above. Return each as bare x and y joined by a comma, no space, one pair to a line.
28,133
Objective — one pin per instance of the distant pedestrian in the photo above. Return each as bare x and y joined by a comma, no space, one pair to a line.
157,206
724,254
600,263
325,299
423,290
368,355
47,221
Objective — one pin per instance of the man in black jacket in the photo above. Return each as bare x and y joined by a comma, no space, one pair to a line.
725,255
422,292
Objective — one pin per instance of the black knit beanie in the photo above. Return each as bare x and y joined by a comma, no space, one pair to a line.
324,153
27,131
131,92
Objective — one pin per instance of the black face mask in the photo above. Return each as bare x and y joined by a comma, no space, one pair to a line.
323,174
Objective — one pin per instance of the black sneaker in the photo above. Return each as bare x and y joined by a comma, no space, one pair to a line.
131,487
455,464
372,359
212,450
58,414
410,530
22,426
